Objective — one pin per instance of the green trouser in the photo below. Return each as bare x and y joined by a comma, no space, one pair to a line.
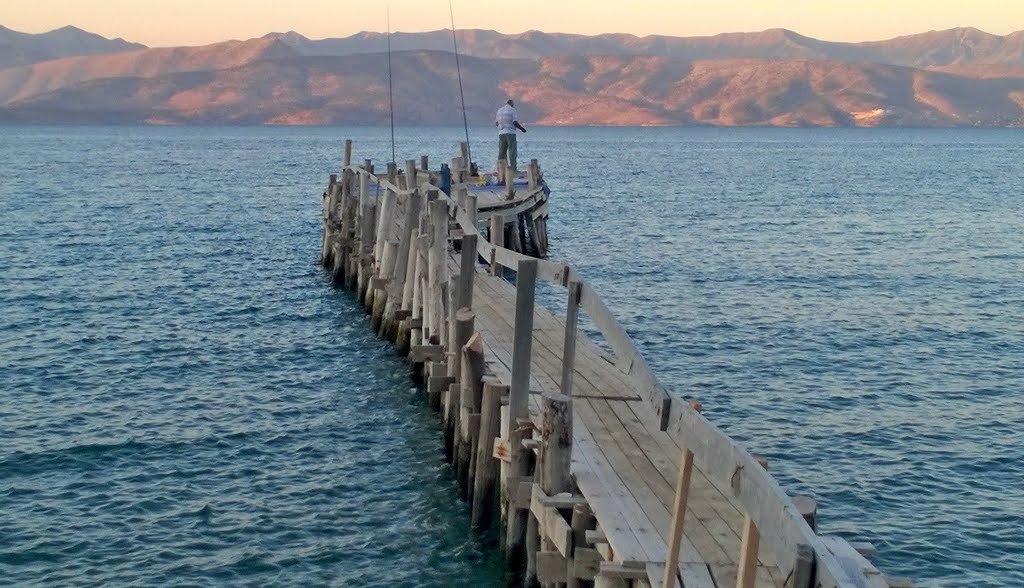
507,144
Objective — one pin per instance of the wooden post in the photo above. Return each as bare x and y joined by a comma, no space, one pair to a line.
556,444
337,272
803,567
510,176
416,328
403,336
424,163
457,175
531,228
747,572
467,271
437,272
462,330
808,508
751,541
471,209
346,214
521,232
572,314
385,222
555,456
385,273
348,153
366,218
678,518
531,176
471,375
582,520
497,234
486,464
519,391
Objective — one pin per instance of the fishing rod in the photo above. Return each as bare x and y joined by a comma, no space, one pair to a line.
391,88
462,95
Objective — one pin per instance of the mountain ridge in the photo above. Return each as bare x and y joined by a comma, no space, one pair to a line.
563,90
777,77
17,48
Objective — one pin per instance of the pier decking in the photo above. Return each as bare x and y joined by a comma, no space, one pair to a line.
600,475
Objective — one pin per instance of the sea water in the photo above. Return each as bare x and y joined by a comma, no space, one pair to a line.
186,399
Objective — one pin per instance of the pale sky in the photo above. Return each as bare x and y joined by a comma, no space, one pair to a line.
195,22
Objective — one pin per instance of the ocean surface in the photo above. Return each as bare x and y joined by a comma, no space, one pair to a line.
186,400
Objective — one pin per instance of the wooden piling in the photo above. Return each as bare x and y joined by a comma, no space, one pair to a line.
497,235
462,331
385,222
438,268
582,520
522,345
389,258
486,473
471,373
510,190
366,227
467,272
808,508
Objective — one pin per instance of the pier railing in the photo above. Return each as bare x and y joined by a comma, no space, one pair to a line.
773,521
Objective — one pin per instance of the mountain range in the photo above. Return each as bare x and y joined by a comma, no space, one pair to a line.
958,77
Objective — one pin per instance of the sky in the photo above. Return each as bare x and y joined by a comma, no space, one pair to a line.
196,22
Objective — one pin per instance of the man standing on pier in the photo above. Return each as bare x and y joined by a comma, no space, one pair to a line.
507,124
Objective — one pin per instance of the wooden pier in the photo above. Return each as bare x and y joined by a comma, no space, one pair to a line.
595,472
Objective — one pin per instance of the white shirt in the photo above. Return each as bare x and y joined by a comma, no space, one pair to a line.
505,117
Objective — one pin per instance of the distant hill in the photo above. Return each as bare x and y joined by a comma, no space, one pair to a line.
961,77
566,90
22,82
24,48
